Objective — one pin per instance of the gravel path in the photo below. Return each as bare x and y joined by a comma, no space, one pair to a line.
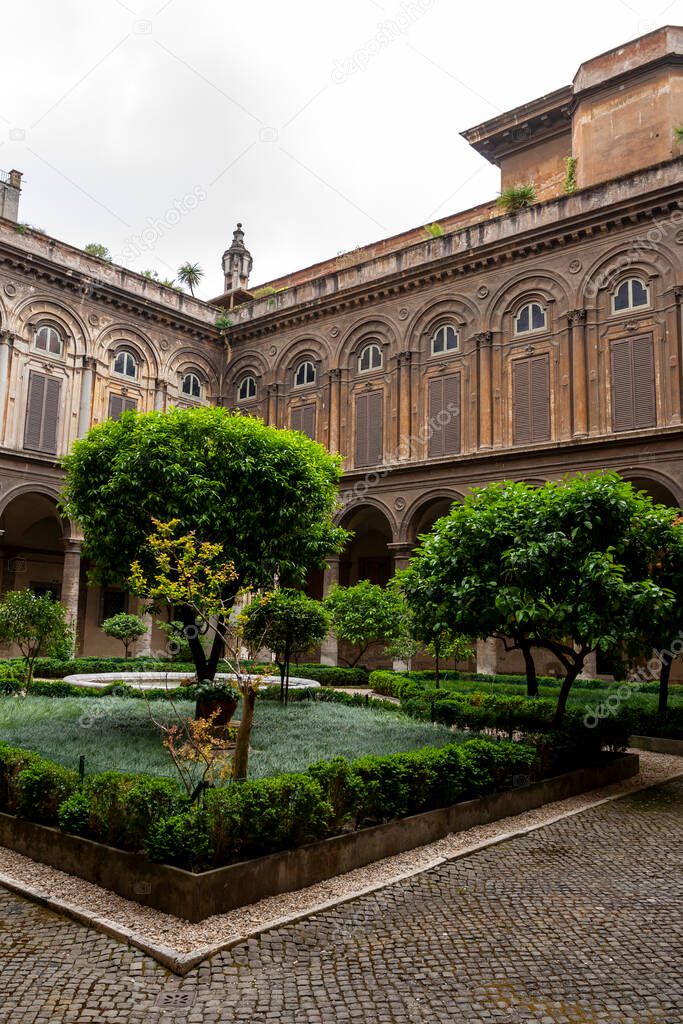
156,928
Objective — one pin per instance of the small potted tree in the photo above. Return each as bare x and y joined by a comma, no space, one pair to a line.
216,700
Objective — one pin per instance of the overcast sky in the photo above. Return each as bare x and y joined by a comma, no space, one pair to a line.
153,127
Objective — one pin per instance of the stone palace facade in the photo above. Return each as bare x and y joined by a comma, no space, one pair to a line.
492,345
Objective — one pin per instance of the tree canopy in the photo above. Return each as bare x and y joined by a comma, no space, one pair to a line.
37,625
365,614
570,567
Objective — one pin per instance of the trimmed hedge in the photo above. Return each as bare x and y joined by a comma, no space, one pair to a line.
152,815
12,677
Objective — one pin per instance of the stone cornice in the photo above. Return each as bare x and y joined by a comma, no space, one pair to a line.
542,228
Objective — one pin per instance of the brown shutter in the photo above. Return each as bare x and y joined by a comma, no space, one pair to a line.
644,407
115,406
375,431
451,408
444,415
302,418
118,404
622,385
521,411
369,432
435,447
34,411
42,413
51,415
308,420
540,398
362,430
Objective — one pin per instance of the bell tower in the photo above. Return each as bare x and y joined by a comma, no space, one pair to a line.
237,264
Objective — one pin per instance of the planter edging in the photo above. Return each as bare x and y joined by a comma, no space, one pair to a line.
197,896
657,744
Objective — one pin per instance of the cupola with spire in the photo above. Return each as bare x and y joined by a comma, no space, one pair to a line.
237,264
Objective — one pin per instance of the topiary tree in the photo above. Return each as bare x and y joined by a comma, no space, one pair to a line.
364,614
287,622
124,627
267,496
37,625
568,567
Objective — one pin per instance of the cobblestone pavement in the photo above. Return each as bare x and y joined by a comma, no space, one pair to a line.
580,921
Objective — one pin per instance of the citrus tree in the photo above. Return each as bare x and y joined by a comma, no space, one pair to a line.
365,614
267,496
36,625
124,627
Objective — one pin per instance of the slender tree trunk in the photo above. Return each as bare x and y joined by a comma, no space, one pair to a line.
282,668
217,649
240,761
437,680
572,672
530,664
287,683
187,618
664,674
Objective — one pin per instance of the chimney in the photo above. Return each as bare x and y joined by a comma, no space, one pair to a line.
10,189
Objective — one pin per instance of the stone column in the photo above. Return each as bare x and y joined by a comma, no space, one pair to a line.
333,427
329,649
85,407
577,328
71,580
590,666
272,402
487,656
404,400
160,395
144,644
6,345
484,343
402,553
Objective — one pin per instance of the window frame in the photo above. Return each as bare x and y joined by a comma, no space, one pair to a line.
48,326
123,350
297,370
190,394
630,308
445,325
366,348
241,382
529,304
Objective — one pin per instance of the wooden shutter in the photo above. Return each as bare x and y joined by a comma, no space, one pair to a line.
444,415
540,398
644,405
369,428
622,385
118,404
531,400
42,413
633,383
303,418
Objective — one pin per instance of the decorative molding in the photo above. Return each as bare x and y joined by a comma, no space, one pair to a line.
10,289
482,291
403,313
576,316
483,340
575,266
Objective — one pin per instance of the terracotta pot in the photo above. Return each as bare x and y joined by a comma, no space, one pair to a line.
226,707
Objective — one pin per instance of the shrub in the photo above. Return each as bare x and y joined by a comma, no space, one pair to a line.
40,789
264,815
12,678
332,675
13,760
182,839
516,197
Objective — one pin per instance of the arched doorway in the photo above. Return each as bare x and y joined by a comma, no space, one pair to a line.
426,514
658,490
367,555
38,551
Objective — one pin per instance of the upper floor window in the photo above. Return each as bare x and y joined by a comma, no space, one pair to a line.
531,317
631,294
370,358
126,363
48,339
304,374
246,389
444,339
191,385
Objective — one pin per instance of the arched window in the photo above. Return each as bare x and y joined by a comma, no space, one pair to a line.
631,294
246,389
191,385
48,339
126,363
370,358
304,374
444,339
531,317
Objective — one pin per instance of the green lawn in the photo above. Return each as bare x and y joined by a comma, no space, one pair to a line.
116,733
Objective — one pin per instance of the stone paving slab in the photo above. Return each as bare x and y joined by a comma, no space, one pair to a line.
580,922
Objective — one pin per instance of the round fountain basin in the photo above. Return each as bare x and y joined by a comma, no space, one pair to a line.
170,680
